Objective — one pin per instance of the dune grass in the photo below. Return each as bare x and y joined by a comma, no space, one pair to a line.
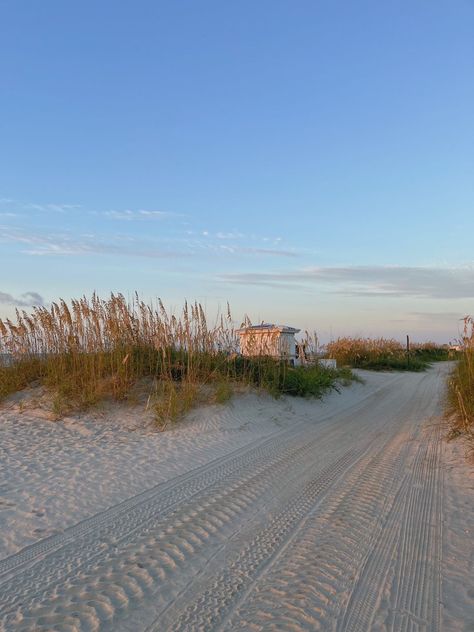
384,354
93,349
461,385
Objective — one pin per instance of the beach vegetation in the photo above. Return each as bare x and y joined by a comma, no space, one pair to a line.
385,354
461,385
92,349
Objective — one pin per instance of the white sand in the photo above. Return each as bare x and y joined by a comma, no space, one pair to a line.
458,528
351,514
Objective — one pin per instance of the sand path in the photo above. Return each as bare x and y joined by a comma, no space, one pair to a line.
351,514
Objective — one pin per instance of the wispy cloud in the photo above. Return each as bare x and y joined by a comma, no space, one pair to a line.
179,240
370,281
231,235
237,236
140,214
18,205
271,252
71,244
28,299
66,244
55,208
123,215
237,243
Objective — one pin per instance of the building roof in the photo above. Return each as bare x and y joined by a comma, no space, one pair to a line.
268,327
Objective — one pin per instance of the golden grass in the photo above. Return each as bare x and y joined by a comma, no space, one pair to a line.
355,351
384,353
96,348
461,384
92,349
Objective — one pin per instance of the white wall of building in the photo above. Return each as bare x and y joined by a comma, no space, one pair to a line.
272,343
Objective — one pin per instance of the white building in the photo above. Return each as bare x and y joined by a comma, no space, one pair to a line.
277,341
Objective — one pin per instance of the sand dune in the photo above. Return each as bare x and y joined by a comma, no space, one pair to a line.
348,514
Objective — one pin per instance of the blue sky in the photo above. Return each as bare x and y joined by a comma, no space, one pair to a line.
310,162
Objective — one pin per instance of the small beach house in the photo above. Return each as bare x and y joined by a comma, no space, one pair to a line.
277,341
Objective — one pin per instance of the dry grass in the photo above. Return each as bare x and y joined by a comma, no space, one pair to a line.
461,385
99,347
93,349
384,353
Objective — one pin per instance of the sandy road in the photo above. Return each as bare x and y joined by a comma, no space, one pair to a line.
335,524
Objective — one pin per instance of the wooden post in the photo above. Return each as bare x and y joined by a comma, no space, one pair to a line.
408,350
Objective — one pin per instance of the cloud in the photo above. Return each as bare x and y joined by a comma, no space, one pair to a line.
236,235
231,243
56,208
271,252
128,215
70,244
371,281
141,214
197,246
232,235
66,244
28,299
30,206
201,242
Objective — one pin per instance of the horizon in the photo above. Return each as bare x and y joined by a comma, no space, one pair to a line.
310,165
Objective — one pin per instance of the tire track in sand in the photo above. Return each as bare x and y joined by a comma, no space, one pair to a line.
70,584
415,596
373,483
175,491
216,607
78,564
393,537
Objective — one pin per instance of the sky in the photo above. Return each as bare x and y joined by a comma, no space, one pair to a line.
310,162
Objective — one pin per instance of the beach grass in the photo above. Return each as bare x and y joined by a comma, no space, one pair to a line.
461,385
91,349
385,354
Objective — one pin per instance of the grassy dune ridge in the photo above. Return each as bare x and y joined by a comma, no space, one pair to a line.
385,354
94,348
461,384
